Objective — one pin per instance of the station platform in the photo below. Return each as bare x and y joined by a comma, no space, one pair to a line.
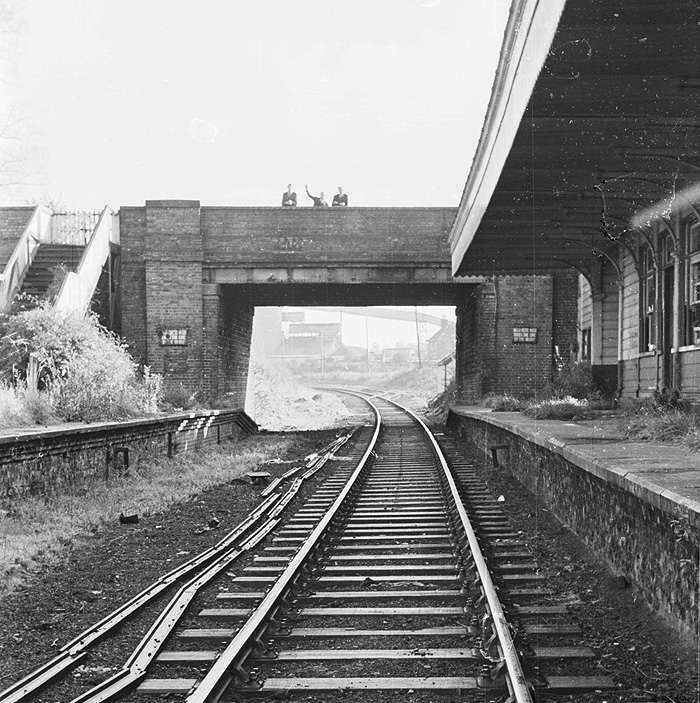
665,475
636,504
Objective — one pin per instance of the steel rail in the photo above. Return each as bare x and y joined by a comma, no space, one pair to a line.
519,689
74,652
220,676
135,668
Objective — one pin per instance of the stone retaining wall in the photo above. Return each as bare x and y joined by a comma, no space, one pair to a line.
655,547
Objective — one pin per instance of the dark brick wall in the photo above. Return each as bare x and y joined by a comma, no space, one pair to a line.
657,550
488,360
565,313
13,222
476,362
227,331
236,336
274,236
174,301
132,288
524,301
174,290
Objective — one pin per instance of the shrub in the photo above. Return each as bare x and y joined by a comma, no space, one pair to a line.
178,398
71,367
655,423
439,405
503,403
573,379
558,409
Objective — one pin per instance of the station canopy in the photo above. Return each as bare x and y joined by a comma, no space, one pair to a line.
591,133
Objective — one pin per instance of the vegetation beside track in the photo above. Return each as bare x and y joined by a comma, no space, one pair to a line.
56,367
37,531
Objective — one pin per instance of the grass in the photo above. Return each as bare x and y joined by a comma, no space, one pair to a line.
504,403
658,424
558,409
36,531
13,410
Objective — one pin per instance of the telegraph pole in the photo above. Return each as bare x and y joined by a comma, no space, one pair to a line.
415,309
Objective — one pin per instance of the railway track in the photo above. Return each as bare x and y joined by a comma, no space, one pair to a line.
399,573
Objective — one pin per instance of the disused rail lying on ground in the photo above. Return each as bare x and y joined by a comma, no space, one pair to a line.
43,461
200,570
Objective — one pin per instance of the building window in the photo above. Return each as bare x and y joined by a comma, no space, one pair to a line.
647,300
691,299
585,354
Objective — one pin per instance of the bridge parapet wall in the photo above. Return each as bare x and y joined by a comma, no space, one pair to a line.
297,236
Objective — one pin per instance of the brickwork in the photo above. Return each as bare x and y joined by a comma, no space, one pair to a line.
173,252
464,349
524,302
283,236
174,302
206,267
132,232
227,331
236,349
477,365
13,222
212,325
565,314
489,360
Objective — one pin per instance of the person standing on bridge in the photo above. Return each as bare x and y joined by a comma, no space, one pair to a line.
289,198
340,198
318,201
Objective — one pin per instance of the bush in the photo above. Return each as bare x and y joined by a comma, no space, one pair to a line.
178,398
655,423
558,409
574,380
503,403
439,405
70,367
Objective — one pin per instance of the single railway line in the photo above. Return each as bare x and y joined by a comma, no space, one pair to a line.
399,573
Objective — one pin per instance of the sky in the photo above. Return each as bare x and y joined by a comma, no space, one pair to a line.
358,330
227,101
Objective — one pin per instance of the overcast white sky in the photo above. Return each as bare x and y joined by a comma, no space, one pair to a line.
226,101
358,330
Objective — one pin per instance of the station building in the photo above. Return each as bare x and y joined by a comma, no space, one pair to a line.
589,163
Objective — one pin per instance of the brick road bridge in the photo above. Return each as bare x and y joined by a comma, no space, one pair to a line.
181,283
192,276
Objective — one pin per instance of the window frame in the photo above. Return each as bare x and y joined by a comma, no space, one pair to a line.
691,283
648,314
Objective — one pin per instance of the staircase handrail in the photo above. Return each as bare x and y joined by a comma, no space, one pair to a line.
78,286
22,256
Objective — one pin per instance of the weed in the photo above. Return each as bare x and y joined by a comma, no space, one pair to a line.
40,529
573,379
503,403
568,408
68,367
652,422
